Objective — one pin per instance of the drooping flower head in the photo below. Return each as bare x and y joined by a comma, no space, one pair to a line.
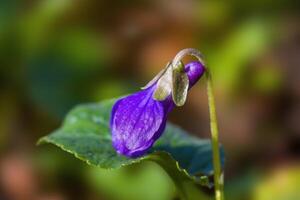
139,119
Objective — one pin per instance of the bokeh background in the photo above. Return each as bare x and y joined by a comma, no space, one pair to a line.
55,54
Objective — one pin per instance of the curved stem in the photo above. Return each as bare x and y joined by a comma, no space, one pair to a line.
218,178
189,51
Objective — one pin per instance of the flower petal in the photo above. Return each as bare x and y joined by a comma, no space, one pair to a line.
194,71
137,121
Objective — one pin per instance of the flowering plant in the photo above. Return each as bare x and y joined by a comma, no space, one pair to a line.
132,129
138,120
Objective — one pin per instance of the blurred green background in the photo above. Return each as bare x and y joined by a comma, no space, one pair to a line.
55,54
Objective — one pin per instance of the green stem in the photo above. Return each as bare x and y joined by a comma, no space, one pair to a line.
218,178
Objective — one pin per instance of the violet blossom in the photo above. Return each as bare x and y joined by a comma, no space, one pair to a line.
139,119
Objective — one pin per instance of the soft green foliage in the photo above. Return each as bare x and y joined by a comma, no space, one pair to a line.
245,43
85,133
135,182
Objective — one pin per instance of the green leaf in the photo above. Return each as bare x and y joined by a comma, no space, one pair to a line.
85,133
164,85
180,83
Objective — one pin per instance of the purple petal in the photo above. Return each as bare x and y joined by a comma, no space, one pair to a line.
137,121
194,71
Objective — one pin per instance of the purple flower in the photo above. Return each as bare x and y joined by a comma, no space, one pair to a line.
138,120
